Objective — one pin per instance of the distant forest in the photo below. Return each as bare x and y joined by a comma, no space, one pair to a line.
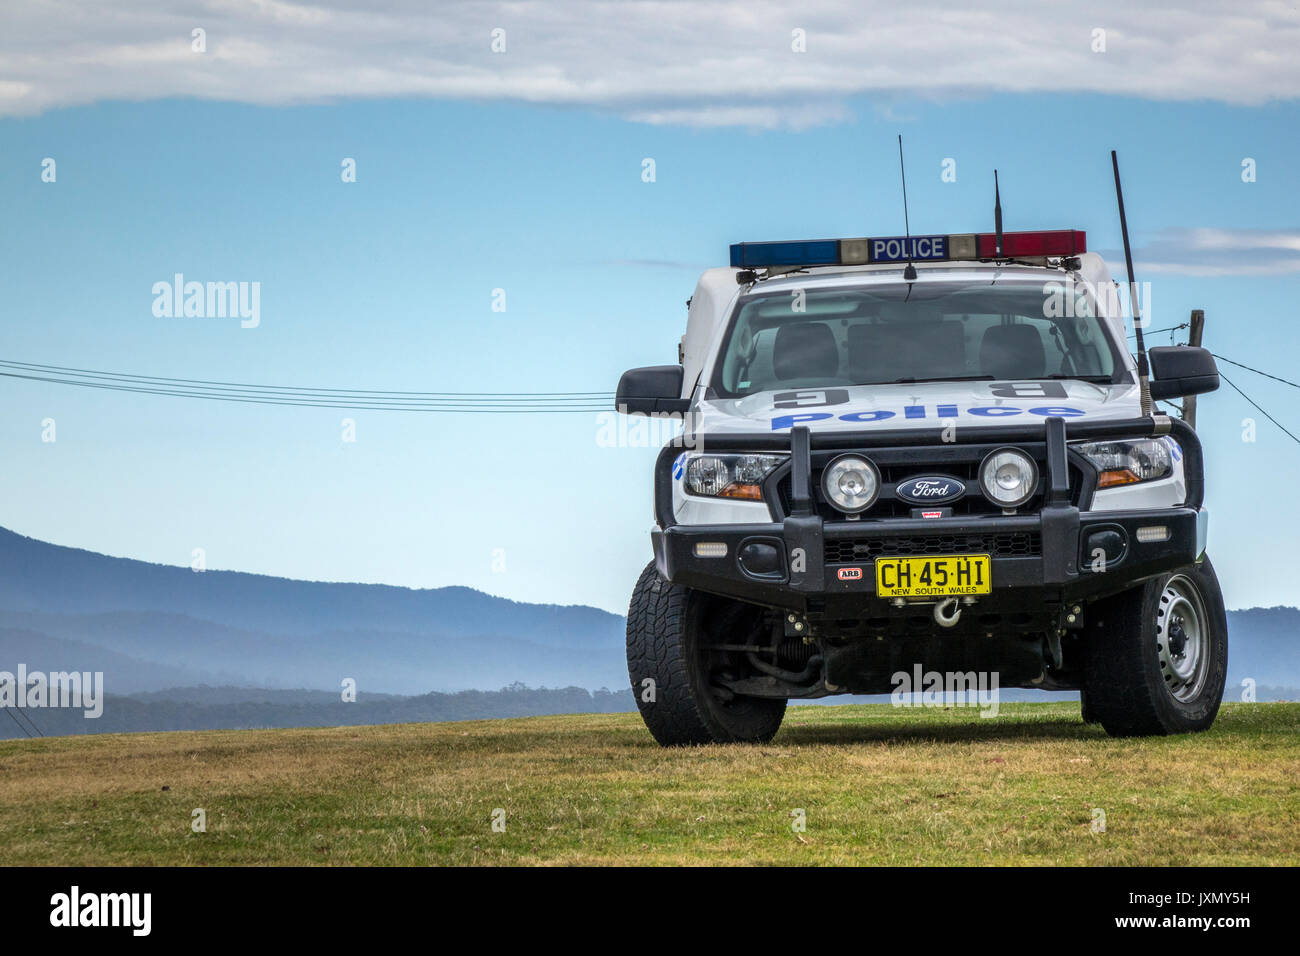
240,708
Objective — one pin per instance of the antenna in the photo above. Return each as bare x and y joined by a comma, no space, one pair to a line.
1144,371
997,218
909,274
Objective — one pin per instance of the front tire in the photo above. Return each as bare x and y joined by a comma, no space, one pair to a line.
672,670
1157,655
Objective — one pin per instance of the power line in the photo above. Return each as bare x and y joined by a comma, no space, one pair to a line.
1172,328
10,712
1256,371
1248,368
1261,410
286,395
252,398
362,405
28,717
126,376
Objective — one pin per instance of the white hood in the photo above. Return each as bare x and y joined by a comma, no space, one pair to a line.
891,407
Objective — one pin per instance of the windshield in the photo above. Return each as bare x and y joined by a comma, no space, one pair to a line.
941,331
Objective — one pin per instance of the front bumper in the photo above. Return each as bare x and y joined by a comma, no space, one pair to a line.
1062,572
1039,560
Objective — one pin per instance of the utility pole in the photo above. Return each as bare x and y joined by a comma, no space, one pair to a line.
1193,338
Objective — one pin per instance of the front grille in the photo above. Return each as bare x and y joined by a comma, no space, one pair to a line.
899,464
1001,544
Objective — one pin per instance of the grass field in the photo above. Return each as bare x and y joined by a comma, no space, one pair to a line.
875,784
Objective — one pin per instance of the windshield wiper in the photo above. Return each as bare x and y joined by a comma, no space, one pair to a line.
937,378
1095,379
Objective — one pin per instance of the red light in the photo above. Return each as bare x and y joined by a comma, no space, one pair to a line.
1025,245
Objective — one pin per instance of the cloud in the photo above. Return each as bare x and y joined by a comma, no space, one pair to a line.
688,62
1220,252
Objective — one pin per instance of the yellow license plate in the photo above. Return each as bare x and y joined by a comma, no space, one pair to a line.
942,576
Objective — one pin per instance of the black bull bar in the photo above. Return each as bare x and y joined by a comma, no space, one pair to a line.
1060,523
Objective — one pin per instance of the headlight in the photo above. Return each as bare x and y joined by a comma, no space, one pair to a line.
1128,462
1008,477
851,483
730,476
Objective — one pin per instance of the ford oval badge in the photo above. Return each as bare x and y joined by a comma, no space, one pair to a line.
930,489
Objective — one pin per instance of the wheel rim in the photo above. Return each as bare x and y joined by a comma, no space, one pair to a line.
1183,638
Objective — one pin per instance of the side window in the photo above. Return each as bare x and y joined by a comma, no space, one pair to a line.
760,369
739,358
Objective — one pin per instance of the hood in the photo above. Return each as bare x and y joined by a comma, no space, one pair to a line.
891,407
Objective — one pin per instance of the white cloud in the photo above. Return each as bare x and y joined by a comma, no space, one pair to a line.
658,61
1221,252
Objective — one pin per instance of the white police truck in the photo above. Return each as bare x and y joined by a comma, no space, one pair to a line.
922,450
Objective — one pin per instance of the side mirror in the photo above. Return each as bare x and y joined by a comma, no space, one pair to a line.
656,388
1182,370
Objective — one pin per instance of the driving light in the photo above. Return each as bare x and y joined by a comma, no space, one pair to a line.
851,483
1008,477
1129,462
710,549
730,476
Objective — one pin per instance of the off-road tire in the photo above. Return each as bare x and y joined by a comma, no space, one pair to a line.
663,646
1084,710
1128,675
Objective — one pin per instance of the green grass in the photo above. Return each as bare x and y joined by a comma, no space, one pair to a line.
876,784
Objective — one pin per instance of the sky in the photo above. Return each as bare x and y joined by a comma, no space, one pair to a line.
523,171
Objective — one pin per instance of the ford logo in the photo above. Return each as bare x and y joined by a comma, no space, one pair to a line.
931,489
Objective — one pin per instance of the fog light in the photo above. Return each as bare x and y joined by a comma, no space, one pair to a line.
762,559
1105,547
710,549
1009,477
851,484
1153,532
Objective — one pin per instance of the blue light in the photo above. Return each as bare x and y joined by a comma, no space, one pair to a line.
758,255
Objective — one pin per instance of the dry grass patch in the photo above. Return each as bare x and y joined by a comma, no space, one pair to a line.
875,784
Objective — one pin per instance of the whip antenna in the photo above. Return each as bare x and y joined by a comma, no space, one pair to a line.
997,218
909,274
1144,371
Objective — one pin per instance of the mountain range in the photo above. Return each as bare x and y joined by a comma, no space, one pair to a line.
151,626
155,629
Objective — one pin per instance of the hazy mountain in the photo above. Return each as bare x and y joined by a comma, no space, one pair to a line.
169,650
36,576
1264,645
152,626
40,651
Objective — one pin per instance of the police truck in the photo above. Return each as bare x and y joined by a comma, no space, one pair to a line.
927,450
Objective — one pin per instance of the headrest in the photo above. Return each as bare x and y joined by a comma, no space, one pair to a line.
1012,351
805,350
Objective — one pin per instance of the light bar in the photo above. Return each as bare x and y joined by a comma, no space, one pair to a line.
888,249
1025,245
